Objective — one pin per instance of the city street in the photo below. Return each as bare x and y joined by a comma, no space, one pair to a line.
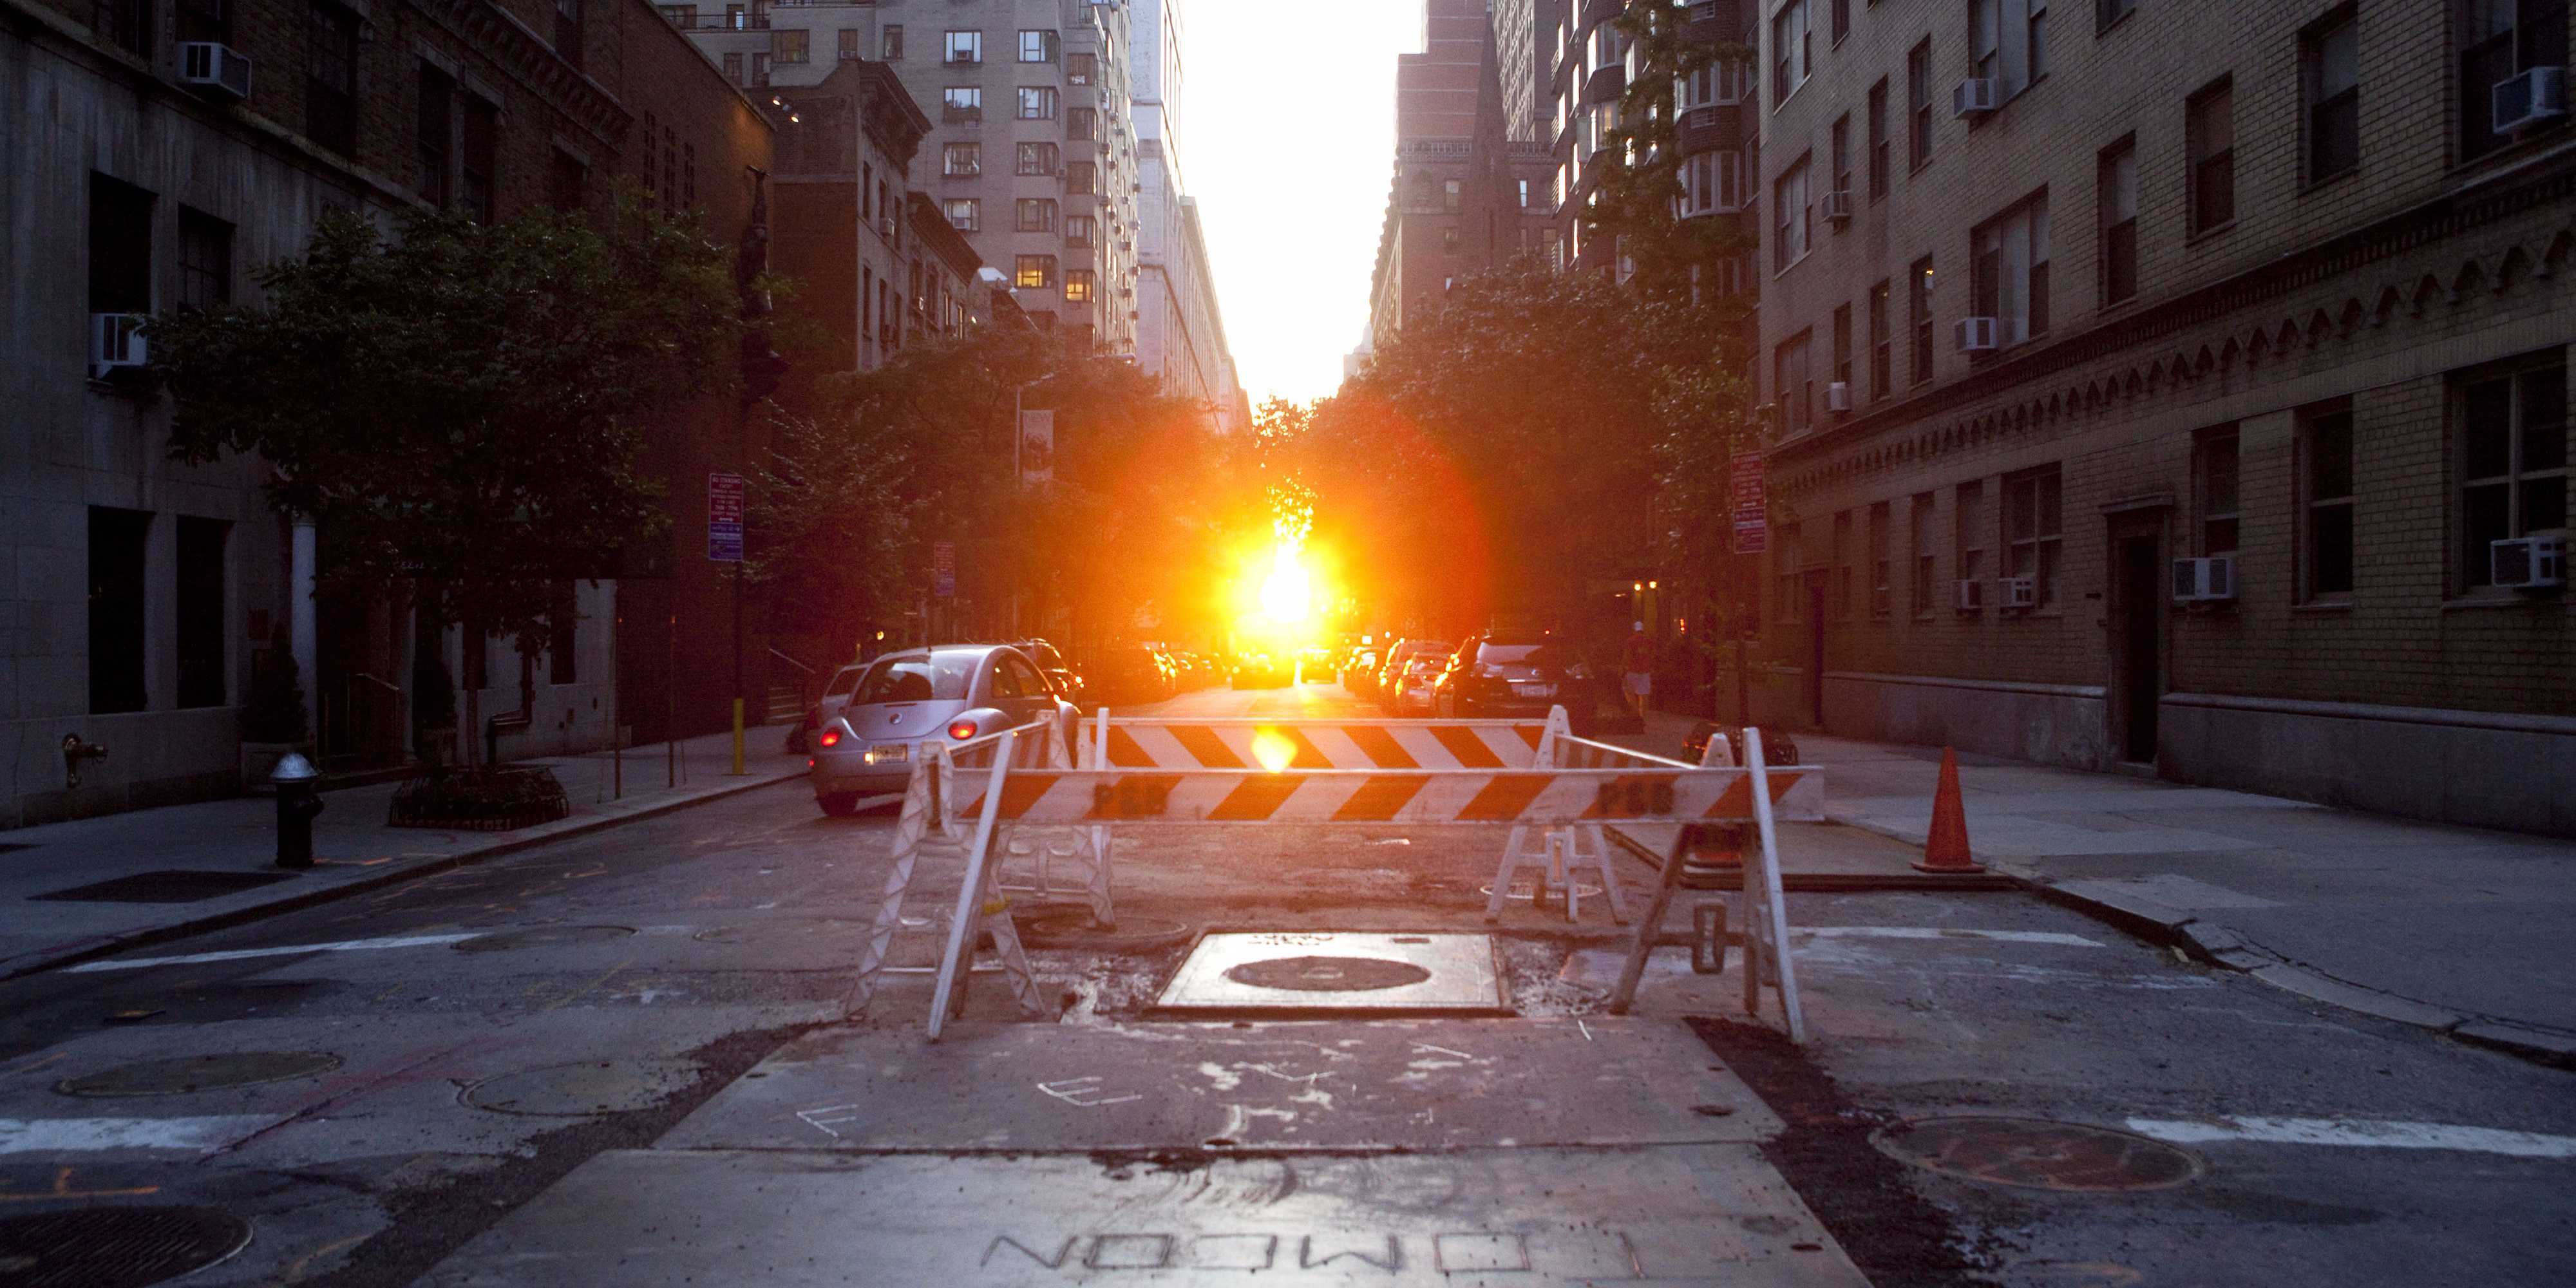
624,1059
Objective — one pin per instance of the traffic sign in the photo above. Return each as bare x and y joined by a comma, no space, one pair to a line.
724,518
1752,530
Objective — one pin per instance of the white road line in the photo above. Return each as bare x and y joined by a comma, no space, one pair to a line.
2364,1133
240,954
1939,932
69,1135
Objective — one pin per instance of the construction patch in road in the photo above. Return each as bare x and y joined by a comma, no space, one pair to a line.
1335,973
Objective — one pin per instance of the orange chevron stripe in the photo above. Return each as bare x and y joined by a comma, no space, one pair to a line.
1204,746
1530,734
1471,751
1736,802
1257,798
1307,756
1381,747
1503,799
1780,784
1378,799
1125,752
1020,791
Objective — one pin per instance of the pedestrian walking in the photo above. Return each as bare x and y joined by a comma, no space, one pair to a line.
1637,659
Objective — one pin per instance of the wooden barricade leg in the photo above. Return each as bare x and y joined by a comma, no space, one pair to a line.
1600,857
972,894
920,801
1650,928
1515,850
1775,915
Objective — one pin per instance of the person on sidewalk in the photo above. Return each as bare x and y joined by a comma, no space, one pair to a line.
1637,659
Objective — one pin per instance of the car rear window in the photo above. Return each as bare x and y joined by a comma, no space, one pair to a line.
942,678
844,681
1538,655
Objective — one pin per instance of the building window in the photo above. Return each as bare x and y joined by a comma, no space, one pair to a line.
1923,528
120,247
1037,46
790,45
1789,51
2008,43
477,139
1794,384
2325,499
1037,158
890,43
1036,214
2499,40
1841,150
2213,489
435,129
2330,80
118,540
1082,177
966,214
567,179
1790,216
563,640
1081,69
1918,313
201,611
2033,523
2008,278
1081,123
331,78
2107,12
964,49
1878,173
962,159
1037,102
1882,562
732,72
2513,460
1721,83
2116,205
1843,579
126,24
682,16
205,260
1034,272
1841,19
1843,348
1077,286
1787,579
1970,522
1523,190
2210,141
1918,106
848,48
1449,239
1450,192
1882,345
961,103
1077,230
568,30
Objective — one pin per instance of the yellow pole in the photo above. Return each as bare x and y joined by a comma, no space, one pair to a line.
737,737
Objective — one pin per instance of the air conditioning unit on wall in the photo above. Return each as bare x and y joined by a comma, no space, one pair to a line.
1838,205
116,343
2018,592
2528,563
2537,95
1978,335
2203,581
1838,396
1974,96
208,66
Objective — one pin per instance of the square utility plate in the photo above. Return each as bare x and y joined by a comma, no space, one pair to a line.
1303,974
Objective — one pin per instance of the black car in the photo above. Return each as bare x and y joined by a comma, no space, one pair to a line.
1504,674
1125,677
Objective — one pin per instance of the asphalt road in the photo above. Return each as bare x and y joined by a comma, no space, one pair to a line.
627,1059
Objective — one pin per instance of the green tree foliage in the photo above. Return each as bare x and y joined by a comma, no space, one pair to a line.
462,405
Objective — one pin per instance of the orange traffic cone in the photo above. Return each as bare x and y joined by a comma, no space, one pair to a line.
1946,849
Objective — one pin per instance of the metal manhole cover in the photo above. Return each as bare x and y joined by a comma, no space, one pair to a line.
200,1073
176,885
2034,1153
578,1090
540,937
759,932
1327,974
1073,927
114,1247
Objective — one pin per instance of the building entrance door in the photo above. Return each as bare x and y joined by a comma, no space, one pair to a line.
1816,648
2137,639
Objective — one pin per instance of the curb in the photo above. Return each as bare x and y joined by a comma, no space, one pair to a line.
1854,882
145,938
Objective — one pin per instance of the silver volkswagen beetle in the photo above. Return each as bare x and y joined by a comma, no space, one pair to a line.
920,696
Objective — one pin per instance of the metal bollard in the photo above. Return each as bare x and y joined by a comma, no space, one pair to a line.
299,798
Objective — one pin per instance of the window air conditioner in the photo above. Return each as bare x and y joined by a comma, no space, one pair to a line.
2201,581
1838,205
116,343
218,68
2537,95
1974,96
1838,396
1977,335
2019,592
2528,563
1971,596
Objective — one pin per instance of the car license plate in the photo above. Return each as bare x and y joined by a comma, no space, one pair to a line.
1530,690
890,753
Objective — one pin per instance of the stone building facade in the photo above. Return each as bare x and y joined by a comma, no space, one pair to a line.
1453,207
1180,330
2153,383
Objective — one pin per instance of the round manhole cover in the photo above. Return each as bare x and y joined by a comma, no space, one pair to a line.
578,1090
541,937
114,1247
2034,1153
1327,974
199,1073
1073,927
762,932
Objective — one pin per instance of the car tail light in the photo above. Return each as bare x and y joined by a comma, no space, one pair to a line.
830,738
962,730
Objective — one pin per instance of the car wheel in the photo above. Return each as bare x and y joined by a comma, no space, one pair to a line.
839,804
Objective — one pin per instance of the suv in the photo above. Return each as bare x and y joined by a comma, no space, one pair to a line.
1510,673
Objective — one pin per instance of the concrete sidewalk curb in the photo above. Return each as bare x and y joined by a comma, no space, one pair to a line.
528,838
1848,882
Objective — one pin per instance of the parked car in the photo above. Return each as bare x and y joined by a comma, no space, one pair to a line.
906,701
1359,674
1508,674
1259,670
836,695
1128,676
1060,674
1411,691
1392,674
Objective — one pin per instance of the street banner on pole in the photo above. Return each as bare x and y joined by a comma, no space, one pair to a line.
1752,532
724,518
1037,448
943,569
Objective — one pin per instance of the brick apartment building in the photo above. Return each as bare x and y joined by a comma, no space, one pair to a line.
2177,386
1455,204
161,153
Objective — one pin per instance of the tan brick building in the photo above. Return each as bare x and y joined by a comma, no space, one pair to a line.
2065,293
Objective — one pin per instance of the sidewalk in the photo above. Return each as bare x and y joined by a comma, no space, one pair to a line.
199,866
2450,928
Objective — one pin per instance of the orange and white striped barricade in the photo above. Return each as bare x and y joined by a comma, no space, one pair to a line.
1566,851
946,804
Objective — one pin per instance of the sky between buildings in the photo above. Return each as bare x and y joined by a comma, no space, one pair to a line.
1285,129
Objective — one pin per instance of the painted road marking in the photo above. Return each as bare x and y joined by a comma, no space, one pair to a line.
241,954
1937,932
67,1135
2363,1133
